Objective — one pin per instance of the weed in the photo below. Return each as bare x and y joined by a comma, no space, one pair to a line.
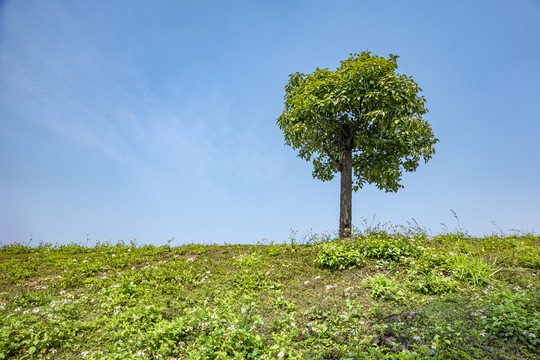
475,270
515,315
340,255
390,248
384,287
433,283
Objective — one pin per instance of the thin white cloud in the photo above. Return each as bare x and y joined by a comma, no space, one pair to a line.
101,102
127,125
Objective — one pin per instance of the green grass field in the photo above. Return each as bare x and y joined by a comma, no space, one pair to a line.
384,295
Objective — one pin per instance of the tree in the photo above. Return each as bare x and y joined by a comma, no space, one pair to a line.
363,120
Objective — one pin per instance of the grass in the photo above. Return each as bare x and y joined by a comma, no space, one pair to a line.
383,294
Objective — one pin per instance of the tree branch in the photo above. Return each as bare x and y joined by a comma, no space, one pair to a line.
336,163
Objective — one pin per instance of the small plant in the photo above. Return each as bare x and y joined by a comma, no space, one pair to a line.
433,283
247,261
390,248
383,287
515,315
280,303
340,255
255,281
473,269
531,261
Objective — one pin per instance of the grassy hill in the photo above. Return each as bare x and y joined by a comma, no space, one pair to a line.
380,295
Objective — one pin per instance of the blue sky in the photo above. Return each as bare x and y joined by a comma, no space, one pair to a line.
157,119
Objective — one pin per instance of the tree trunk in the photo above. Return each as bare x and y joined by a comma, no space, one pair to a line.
345,199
